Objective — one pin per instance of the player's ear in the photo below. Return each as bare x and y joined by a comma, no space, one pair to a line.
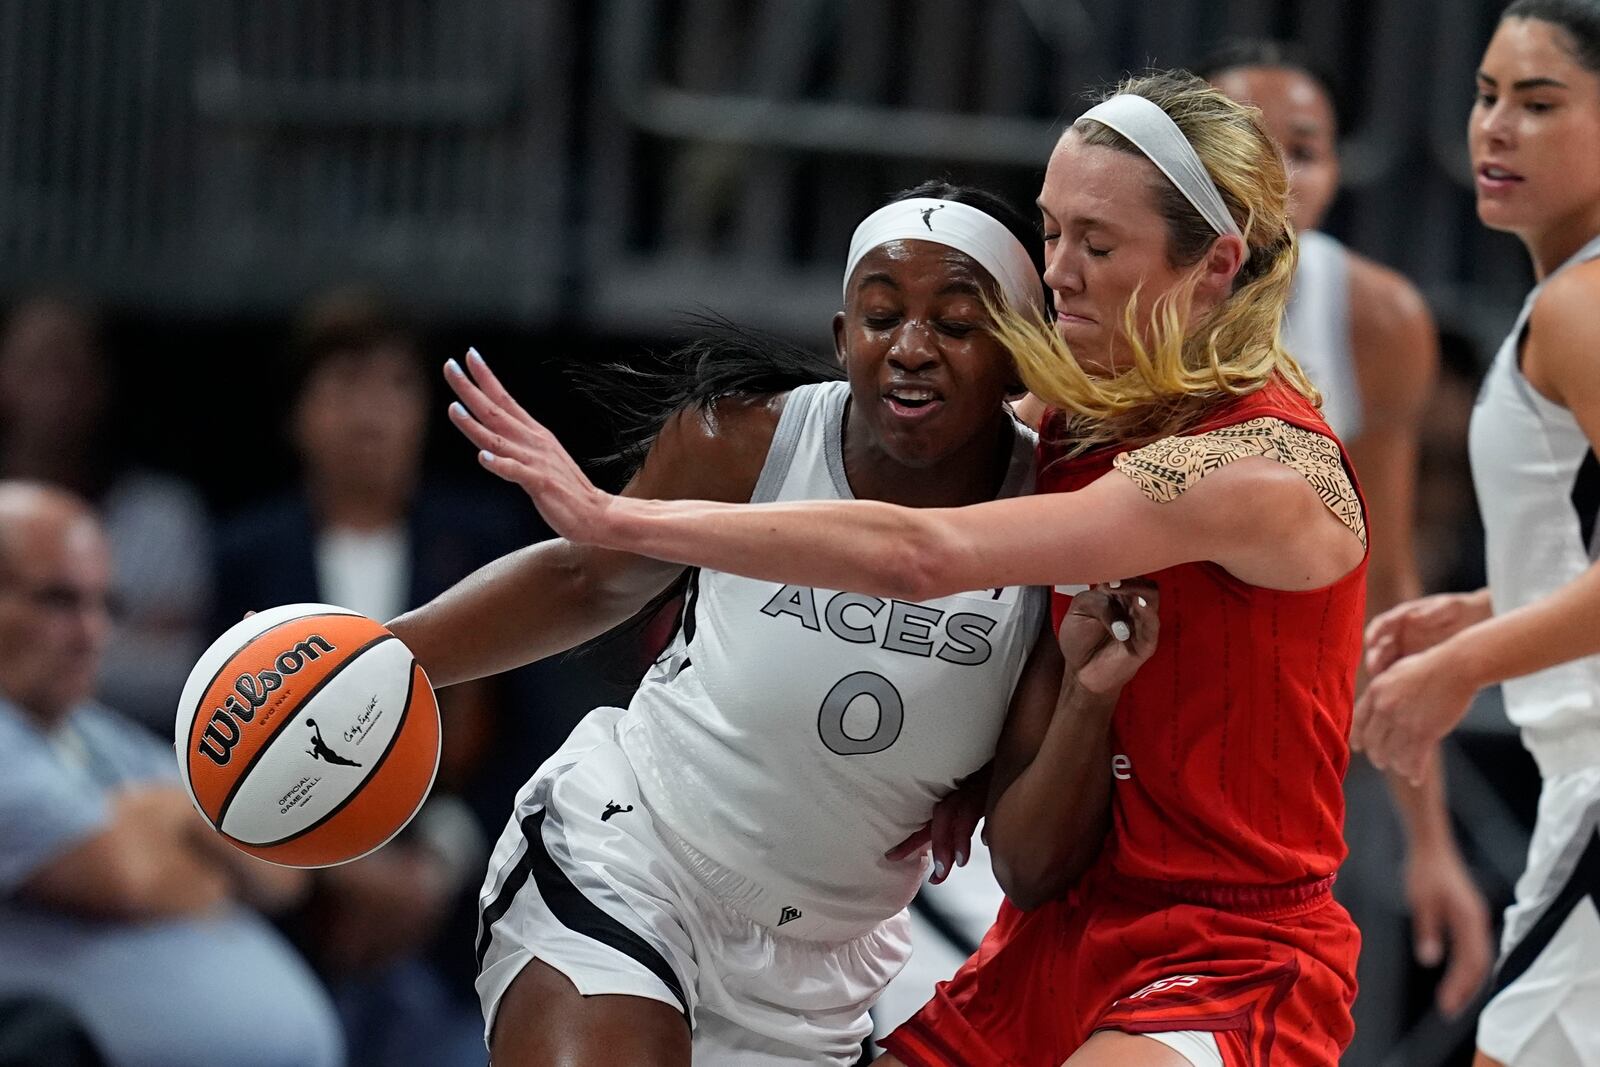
839,352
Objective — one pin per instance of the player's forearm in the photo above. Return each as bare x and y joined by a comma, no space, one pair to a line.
1050,821
1422,808
1562,627
537,602
865,547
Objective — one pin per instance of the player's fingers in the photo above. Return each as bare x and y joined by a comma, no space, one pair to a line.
911,845
1382,654
509,469
489,382
1427,930
479,434
1361,722
1415,753
946,824
483,407
1387,622
467,391
1145,619
963,826
1098,603
1471,955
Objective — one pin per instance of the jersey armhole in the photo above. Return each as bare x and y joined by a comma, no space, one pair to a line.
785,441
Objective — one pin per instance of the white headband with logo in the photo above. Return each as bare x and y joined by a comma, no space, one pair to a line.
959,226
1153,132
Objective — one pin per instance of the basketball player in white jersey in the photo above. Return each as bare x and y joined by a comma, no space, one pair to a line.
722,853
1365,338
1534,134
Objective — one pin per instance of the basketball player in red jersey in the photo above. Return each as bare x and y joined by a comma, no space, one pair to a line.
1184,445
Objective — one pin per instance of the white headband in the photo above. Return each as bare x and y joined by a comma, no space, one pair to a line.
1153,132
958,226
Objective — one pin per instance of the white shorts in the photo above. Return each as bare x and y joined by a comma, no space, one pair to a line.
1547,985
583,880
1199,1047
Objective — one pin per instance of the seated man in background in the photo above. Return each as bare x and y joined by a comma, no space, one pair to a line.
63,421
116,899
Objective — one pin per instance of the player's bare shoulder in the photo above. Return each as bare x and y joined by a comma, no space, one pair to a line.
712,451
1394,343
1563,334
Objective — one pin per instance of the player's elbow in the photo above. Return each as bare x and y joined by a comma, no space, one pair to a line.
1033,870
922,563
1030,885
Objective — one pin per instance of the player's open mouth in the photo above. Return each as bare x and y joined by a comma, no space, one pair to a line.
1492,177
910,401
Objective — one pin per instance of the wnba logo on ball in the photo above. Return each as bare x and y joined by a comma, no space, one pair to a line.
222,732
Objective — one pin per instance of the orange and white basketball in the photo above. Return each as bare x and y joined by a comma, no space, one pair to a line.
308,735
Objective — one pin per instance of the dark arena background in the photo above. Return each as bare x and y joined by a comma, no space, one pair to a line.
570,183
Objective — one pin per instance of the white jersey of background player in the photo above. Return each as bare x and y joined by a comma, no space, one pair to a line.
716,853
1534,135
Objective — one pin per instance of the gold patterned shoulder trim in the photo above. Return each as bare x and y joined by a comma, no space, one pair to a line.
1164,469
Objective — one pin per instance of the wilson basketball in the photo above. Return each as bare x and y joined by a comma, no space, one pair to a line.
308,735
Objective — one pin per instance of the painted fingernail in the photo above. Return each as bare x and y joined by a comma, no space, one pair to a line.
472,353
452,365
458,410
1120,631
961,858
1115,583
938,870
487,456
1143,603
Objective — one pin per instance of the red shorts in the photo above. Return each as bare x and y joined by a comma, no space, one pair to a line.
1272,976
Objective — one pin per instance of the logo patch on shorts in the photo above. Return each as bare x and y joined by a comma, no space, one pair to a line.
613,808
788,915
1163,984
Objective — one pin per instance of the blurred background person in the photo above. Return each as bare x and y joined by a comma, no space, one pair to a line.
392,932
57,401
1364,336
115,898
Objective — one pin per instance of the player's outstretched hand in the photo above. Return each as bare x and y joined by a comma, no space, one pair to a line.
1110,631
514,446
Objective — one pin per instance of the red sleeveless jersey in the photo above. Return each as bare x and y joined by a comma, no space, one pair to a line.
1234,737
1210,907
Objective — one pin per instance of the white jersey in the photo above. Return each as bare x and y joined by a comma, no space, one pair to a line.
791,735
1538,488
1316,329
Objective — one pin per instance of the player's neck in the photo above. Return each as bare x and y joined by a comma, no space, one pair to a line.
1561,240
970,475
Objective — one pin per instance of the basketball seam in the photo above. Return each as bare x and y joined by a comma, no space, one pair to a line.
394,739
238,782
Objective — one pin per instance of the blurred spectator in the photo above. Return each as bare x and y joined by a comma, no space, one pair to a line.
115,898
55,395
365,532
